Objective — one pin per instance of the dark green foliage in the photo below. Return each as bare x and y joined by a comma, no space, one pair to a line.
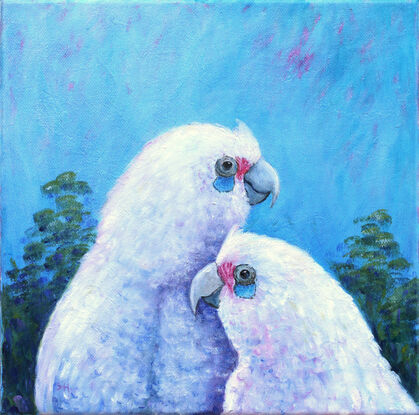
375,274
59,238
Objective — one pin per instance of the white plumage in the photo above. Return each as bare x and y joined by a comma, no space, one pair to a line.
122,337
302,344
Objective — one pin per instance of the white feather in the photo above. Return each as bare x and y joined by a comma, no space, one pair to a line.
102,350
303,345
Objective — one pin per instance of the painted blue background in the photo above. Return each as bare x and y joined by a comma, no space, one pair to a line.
328,90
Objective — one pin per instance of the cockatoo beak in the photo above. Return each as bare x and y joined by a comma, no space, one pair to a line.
206,283
260,181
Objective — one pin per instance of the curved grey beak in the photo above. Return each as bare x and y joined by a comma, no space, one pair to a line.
206,283
260,181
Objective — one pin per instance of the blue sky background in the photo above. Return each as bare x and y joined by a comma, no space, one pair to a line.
328,90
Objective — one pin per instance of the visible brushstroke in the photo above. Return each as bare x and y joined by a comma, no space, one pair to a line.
70,50
263,41
374,272
366,47
375,131
128,25
204,68
297,337
301,64
305,36
61,235
219,85
323,92
158,40
300,58
365,51
128,305
63,15
245,8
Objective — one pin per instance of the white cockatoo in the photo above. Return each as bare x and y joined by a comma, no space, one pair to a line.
302,344
122,338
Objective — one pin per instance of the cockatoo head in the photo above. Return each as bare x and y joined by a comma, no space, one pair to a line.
257,283
183,193
212,160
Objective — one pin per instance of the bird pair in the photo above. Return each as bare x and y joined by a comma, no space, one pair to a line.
284,338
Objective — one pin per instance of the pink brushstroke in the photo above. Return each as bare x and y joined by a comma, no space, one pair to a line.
305,64
298,59
157,41
128,25
300,63
62,15
366,47
70,86
323,92
68,52
79,44
226,273
375,130
243,166
305,36
263,41
131,21
295,52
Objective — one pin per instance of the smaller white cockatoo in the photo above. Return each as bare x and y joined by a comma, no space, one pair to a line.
302,344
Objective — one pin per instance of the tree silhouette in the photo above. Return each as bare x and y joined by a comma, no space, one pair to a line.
375,274
61,235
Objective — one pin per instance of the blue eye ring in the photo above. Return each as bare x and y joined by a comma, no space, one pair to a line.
224,184
245,291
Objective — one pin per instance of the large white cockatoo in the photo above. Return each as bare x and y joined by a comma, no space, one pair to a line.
122,337
302,344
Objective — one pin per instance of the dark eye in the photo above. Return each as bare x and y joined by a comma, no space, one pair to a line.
226,167
244,274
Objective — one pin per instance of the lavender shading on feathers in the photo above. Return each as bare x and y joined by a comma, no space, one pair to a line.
122,337
303,346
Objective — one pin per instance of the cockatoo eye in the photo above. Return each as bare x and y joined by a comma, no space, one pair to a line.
226,167
244,274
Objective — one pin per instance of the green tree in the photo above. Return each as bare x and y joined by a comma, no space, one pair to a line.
61,235
375,273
